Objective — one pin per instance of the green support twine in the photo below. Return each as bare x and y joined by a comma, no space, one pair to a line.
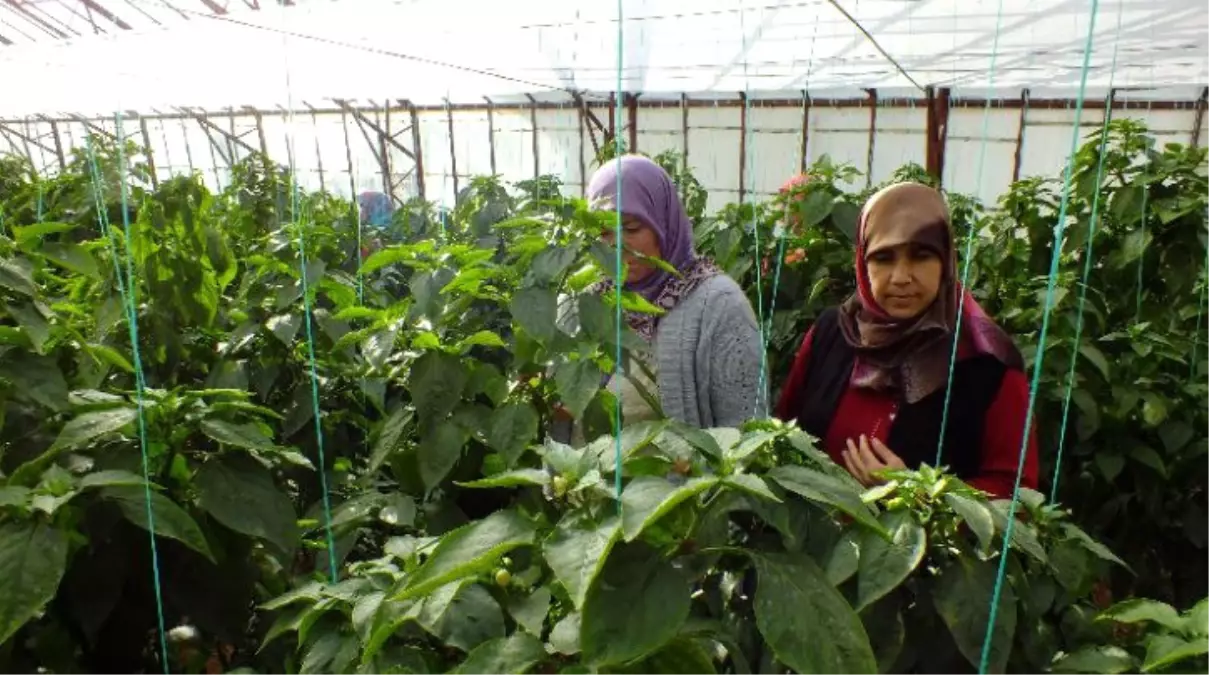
128,293
969,252
617,241
755,229
299,222
1087,264
1059,231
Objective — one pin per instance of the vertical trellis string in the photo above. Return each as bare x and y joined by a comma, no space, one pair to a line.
1087,265
761,395
1059,231
970,236
126,290
298,222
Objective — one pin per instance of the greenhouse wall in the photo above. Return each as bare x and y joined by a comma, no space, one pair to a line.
342,150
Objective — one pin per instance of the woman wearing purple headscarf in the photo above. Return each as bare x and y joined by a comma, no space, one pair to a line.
706,345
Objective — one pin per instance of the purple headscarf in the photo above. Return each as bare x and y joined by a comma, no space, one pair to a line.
648,194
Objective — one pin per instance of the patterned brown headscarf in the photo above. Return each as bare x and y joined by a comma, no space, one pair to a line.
912,355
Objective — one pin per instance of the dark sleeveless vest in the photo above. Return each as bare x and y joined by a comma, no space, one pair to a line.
916,427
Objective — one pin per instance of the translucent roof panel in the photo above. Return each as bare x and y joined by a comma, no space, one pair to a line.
178,53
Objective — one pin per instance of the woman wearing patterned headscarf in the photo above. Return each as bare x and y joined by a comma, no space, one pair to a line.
871,375
706,343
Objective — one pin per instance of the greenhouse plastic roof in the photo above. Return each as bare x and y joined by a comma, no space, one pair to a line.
93,57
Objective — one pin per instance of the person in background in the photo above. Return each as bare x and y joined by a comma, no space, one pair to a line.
870,377
376,212
706,346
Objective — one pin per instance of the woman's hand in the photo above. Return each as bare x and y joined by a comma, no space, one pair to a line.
865,458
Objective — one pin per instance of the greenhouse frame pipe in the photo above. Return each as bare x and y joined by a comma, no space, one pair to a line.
936,132
348,154
839,103
388,176
318,150
1018,157
583,165
632,111
359,116
54,130
684,129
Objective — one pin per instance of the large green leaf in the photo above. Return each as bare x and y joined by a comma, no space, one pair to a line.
828,490
807,623
962,597
647,499
513,428
885,564
1164,651
332,652
438,452
515,654
578,381
388,436
1096,659
72,257
577,549
15,275
1136,610
976,516
33,556
469,550
436,383
637,605
463,615
83,429
535,309
285,327
170,519
530,611
241,494
247,435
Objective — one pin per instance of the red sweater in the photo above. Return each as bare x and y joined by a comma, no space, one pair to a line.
868,412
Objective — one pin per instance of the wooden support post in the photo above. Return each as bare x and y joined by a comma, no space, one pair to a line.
491,132
632,110
155,179
348,157
1199,119
872,137
937,132
805,130
453,153
1018,158
533,123
54,129
419,152
742,147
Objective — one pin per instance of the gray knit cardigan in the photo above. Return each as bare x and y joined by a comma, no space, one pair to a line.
707,356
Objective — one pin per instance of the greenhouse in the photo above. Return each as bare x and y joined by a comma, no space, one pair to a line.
647,336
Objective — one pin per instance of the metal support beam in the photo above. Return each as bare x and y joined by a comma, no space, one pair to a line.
491,132
684,129
742,148
453,153
361,119
419,155
937,132
227,136
388,175
533,123
54,130
318,150
583,165
805,130
348,157
872,137
612,133
1018,157
155,179
632,110
1199,118
24,138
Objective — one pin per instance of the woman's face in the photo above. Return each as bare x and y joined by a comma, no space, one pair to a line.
636,238
905,279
